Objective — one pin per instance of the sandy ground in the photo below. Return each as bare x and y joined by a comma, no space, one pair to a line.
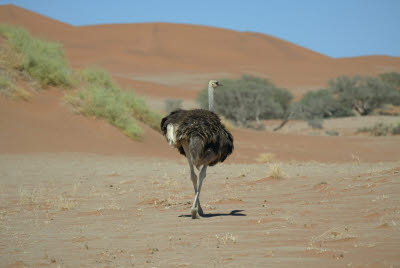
76,209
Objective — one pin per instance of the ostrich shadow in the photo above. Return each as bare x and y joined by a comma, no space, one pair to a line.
236,212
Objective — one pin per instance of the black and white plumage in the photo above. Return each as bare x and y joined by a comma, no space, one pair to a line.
201,137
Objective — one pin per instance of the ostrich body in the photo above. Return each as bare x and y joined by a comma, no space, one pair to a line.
201,137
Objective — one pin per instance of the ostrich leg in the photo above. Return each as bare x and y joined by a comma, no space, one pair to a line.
194,181
202,176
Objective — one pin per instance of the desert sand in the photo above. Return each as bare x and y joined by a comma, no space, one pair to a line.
76,192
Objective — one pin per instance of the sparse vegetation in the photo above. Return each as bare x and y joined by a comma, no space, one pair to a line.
392,79
97,94
248,99
11,66
100,96
266,158
43,197
276,172
317,105
42,60
9,88
363,94
381,129
226,238
251,99
346,96
104,103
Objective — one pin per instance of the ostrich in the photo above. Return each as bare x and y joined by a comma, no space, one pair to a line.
201,137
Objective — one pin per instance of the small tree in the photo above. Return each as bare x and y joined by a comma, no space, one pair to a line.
393,79
323,104
363,94
248,99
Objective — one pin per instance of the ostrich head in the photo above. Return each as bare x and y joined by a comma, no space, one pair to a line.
211,86
214,83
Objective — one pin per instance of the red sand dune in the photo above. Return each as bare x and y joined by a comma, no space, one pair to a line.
154,49
163,60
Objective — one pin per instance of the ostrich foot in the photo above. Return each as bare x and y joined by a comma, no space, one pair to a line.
194,213
200,210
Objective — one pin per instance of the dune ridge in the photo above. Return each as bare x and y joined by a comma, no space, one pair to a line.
157,49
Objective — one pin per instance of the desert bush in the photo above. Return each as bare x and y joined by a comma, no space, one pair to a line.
315,106
137,106
396,129
248,99
140,110
101,97
9,88
322,104
10,59
106,103
43,60
172,105
96,76
332,133
363,94
381,129
393,79
6,83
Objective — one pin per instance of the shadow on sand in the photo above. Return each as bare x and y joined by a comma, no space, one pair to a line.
210,215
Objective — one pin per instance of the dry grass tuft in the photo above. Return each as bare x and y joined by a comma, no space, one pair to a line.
355,159
266,158
276,172
334,234
64,202
227,238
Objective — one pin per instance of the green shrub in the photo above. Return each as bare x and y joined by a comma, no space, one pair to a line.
315,123
248,99
96,76
101,97
43,60
323,105
10,89
381,129
363,94
139,109
106,103
396,129
315,106
393,79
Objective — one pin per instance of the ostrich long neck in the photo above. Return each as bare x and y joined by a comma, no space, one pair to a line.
210,98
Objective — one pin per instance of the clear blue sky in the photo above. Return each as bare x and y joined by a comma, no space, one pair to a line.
337,28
